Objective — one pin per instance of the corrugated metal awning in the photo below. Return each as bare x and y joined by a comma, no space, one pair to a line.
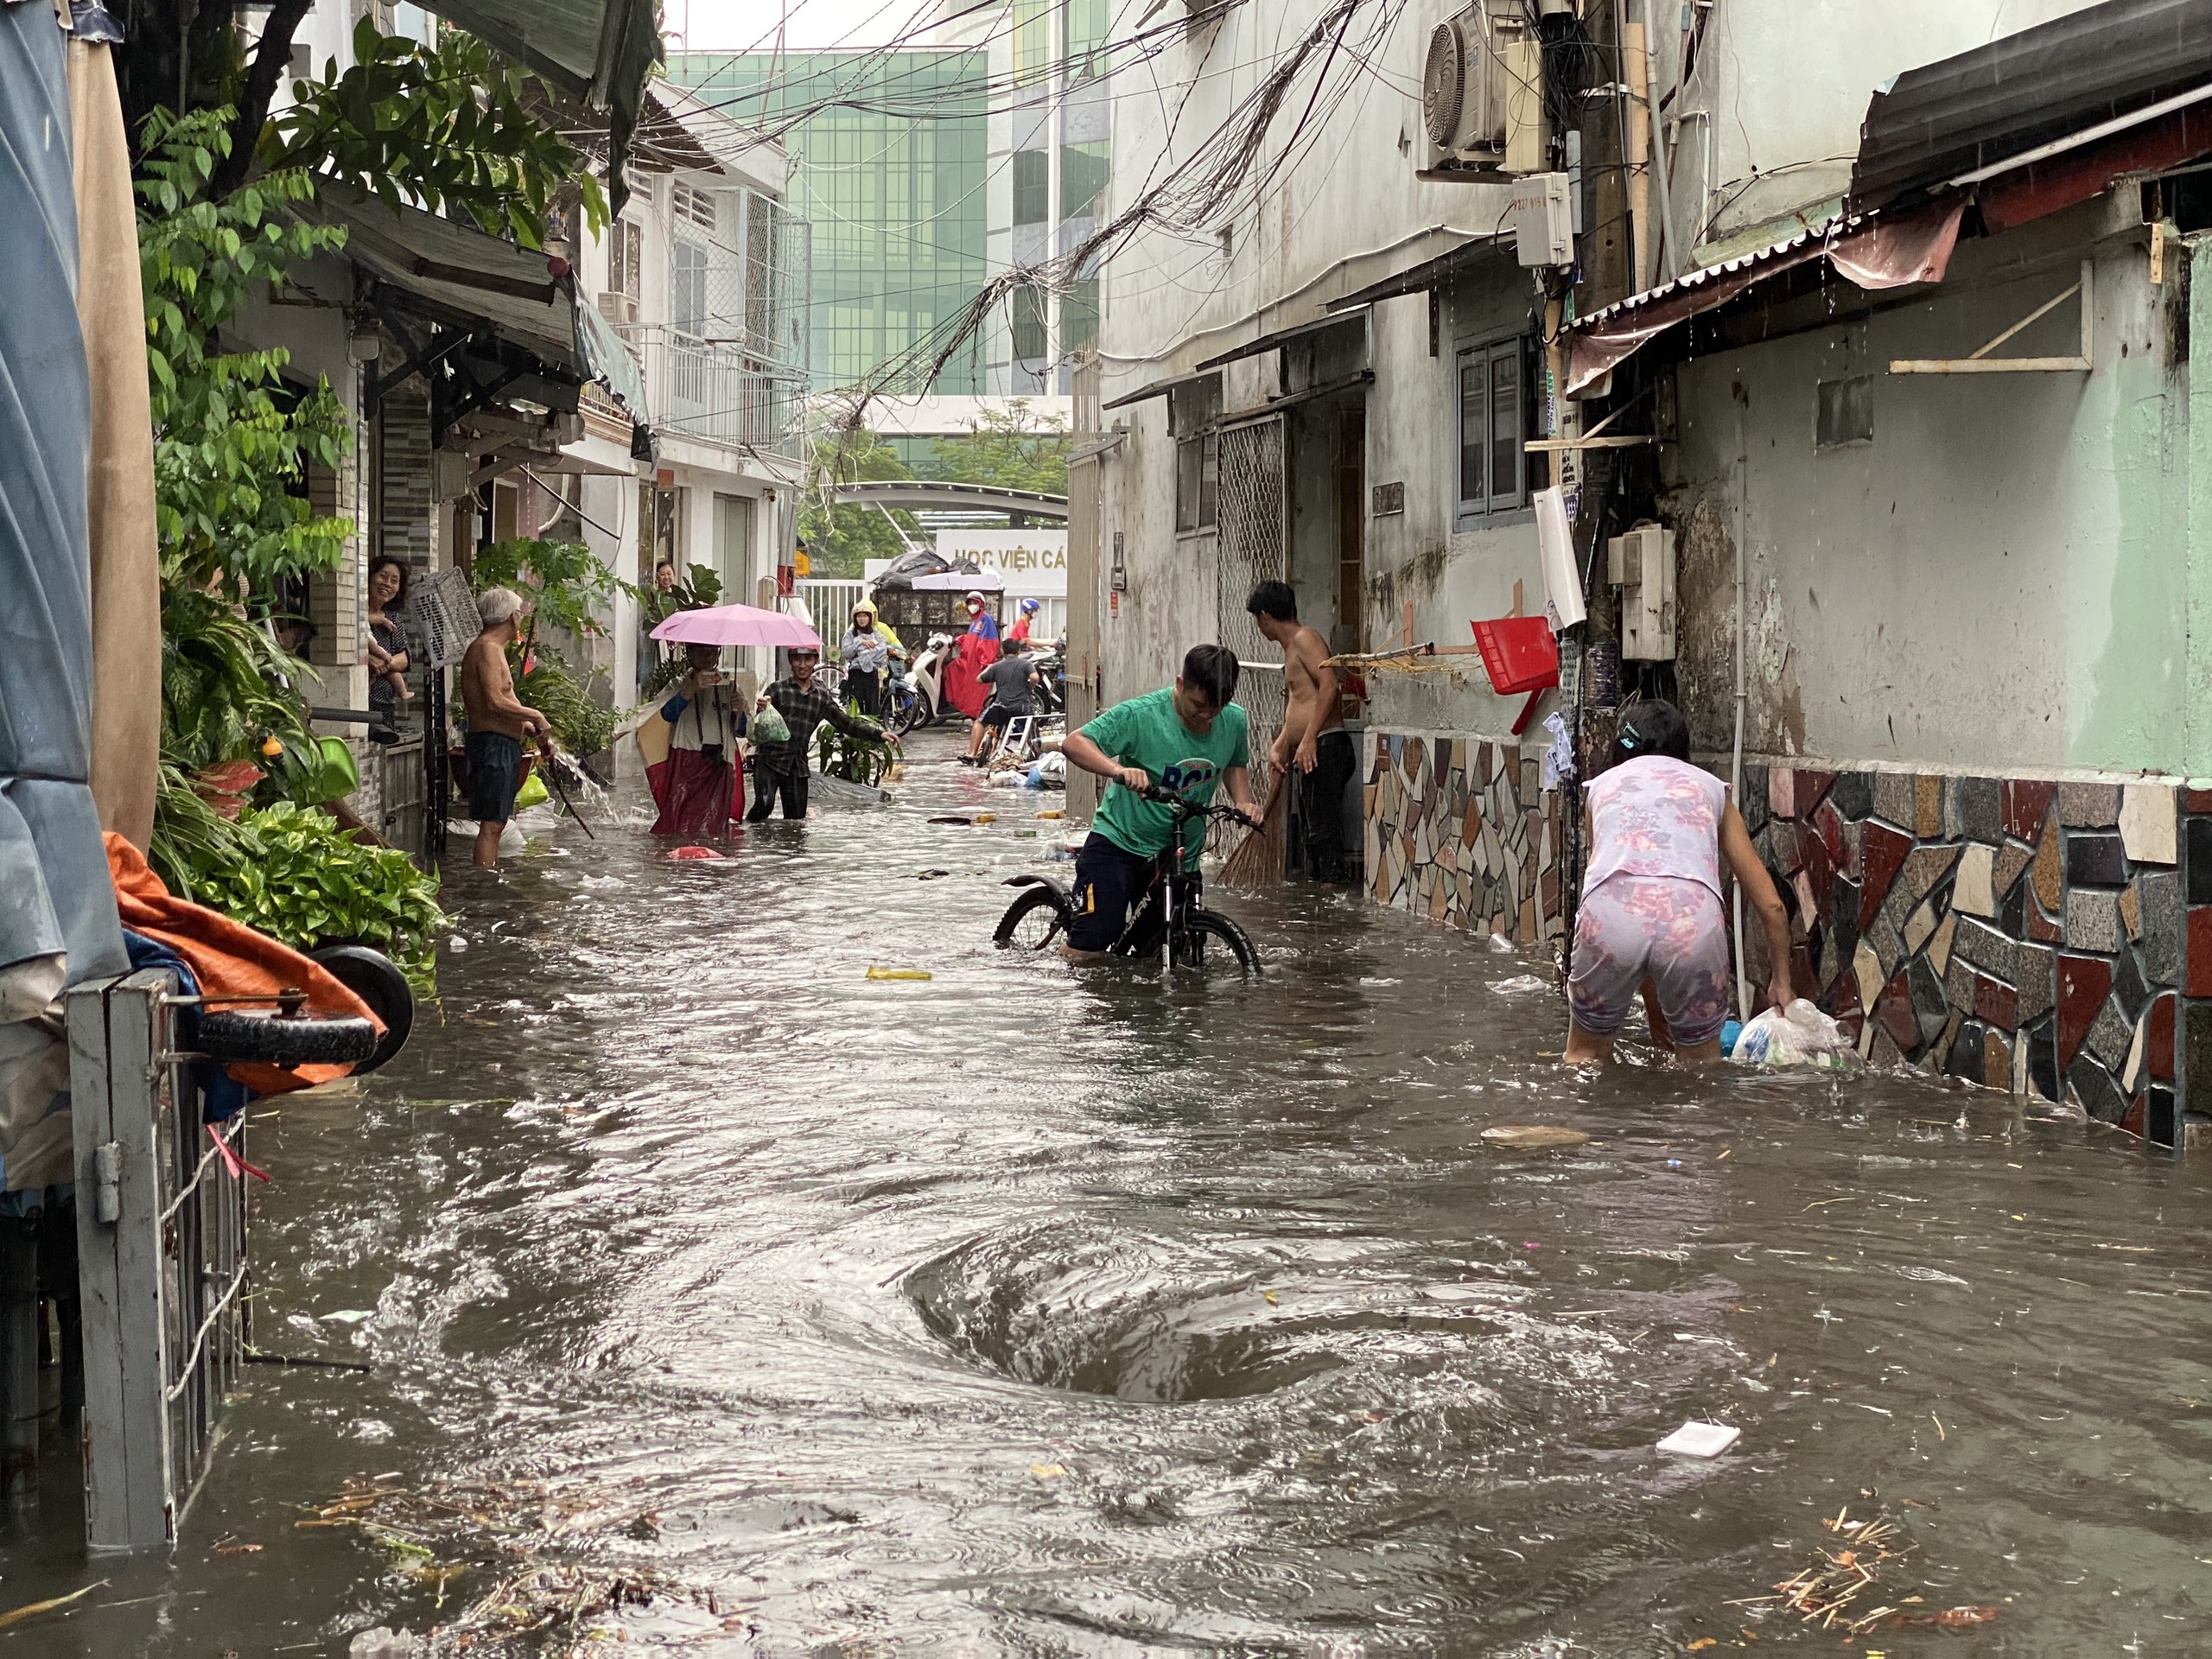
1949,119
1872,252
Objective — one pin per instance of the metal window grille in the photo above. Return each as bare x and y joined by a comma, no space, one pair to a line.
1252,547
161,1225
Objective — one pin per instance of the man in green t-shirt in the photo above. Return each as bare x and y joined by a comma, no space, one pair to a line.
1186,740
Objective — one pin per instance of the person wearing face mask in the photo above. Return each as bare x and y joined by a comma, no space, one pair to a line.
978,650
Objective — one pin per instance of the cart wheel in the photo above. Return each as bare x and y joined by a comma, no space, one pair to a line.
262,1034
375,979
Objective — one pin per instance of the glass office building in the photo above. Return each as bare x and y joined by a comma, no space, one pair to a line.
891,168
925,171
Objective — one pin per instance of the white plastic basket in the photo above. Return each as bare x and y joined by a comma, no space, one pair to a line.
445,615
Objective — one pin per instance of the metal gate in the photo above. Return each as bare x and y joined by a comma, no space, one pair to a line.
161,1260
1253,546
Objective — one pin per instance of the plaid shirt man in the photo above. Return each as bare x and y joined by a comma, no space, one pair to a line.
804,708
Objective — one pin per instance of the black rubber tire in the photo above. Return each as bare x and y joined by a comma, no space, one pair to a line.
1031,901
904,712
257,1035
1201,925
375,979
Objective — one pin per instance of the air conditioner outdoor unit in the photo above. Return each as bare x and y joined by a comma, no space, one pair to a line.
1641,564
1463,87
621,309
1483,90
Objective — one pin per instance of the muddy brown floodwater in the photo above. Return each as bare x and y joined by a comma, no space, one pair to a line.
1013,1312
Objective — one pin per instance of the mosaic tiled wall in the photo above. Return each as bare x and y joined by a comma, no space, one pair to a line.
2022,934
1456,831
2051,938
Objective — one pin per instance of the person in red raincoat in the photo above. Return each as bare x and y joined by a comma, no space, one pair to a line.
979,648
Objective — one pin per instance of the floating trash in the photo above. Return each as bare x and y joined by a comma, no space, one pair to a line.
685,855
1701,1439
899,973
1532,1137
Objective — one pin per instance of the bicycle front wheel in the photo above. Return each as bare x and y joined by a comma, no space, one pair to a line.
1210,940
1039,917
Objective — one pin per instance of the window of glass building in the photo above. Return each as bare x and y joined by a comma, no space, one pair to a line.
1032,38
1082,178
1080,315
898,206
1028,309
1088,23
1033,186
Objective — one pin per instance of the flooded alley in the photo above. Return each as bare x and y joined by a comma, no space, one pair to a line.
1015,1312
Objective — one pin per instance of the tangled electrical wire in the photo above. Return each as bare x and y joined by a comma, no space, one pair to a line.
1224,174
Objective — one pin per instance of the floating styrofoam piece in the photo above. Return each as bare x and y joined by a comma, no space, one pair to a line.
1701,1439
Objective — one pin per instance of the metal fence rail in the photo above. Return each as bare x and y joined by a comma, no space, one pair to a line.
162,1265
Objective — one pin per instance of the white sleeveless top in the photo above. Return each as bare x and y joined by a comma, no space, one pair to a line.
1654,814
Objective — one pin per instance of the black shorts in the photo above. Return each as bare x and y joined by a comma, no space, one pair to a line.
997,714
495,775
1108,880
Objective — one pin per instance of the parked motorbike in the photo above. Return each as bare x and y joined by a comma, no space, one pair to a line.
1052,679
920,700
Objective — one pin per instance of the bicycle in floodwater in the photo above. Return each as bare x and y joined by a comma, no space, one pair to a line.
1168,914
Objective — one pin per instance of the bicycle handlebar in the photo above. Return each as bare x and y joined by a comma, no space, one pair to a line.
1186,810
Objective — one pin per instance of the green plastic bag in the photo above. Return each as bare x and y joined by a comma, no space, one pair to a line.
533,792
769,725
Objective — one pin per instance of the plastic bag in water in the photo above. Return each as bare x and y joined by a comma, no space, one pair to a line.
1797,1035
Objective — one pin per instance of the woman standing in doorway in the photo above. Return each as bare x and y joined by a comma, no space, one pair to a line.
387,655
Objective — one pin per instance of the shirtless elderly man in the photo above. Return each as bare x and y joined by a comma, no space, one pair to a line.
1313,738
498,721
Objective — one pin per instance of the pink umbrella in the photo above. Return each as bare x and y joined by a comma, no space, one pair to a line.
737,624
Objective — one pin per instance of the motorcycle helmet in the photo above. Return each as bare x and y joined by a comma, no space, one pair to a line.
1030,607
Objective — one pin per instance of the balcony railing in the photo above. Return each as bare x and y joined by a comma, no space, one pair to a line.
708,389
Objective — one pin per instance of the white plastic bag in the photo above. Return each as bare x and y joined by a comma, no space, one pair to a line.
1797,1035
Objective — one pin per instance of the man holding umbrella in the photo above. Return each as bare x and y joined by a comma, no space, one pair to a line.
779,765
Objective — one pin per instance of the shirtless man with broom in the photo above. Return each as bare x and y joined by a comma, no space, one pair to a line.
1313,738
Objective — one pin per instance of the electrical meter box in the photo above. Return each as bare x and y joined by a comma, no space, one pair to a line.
1642,565
1542,214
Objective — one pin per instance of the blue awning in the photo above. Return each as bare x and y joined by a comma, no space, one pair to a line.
55,892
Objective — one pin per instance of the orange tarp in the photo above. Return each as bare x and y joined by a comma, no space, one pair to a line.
229,959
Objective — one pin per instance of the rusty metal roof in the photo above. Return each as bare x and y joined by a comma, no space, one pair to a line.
1949,118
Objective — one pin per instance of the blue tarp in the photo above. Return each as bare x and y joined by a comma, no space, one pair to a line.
55,893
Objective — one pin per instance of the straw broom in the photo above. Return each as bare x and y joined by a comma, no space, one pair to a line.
1258,858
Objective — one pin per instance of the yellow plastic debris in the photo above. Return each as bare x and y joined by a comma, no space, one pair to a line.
987,817
1053,812
1047,1471
898,973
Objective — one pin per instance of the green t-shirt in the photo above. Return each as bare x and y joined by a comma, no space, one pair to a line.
1146,731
